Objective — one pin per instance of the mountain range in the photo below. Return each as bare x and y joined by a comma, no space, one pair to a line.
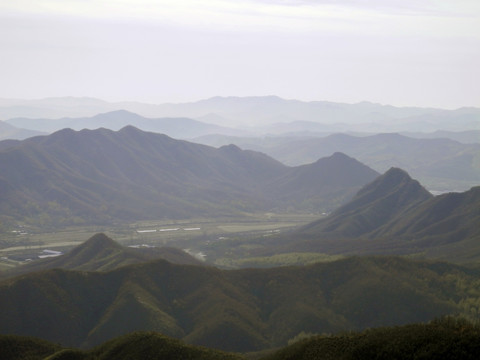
394,214
440,164
8,131
233,310
95,176
178,127
259,111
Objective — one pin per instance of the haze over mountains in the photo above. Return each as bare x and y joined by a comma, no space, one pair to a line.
265,124
115,173
259,111
440,164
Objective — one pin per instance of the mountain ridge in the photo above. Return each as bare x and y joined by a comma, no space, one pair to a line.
398,217
101,176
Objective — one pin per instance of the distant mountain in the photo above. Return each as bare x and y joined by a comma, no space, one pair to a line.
440,164
241,310
260,111
101,253
8,131
464,137
395,215
182,128
98,176
328,178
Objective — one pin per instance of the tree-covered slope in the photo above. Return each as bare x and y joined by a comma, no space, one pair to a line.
133,346
441,339
445,338
241,310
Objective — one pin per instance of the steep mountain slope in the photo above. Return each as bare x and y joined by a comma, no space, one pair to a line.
446,220
101,253
374,206
395,215
99,175
240,310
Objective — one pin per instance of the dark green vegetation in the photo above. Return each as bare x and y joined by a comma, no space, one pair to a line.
233,310
441,339
446,338
100,176
439,164
134,346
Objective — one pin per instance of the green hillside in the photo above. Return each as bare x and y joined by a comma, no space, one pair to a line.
445,338
237,310
134,346
441,339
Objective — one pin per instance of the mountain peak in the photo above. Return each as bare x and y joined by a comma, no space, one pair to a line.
392,179
97,243
374,205
232,148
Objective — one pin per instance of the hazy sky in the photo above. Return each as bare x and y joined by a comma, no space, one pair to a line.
399,52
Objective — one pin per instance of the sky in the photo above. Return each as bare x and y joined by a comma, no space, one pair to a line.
398,52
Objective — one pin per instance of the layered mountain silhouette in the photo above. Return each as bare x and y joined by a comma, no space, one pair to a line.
439,163
233,310
259,110
395,214
177,127
100,175
8,131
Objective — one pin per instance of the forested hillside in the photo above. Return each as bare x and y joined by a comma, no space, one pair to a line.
236,310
